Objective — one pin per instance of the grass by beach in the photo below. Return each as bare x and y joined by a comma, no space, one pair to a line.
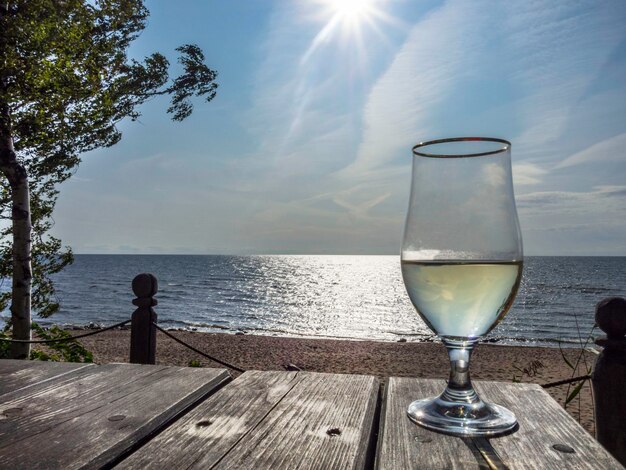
382,359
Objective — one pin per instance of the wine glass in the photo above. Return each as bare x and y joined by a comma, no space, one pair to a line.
462,265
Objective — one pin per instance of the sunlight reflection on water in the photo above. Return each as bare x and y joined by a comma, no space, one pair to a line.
359,297
339,296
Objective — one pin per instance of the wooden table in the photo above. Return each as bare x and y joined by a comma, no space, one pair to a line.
56,415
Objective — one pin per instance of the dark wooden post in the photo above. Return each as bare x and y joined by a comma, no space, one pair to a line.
609,377
143,331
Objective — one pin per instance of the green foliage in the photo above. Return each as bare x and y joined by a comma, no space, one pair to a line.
65,83
69,81
194,363
565,359
574,393
67,351
5,347
581,361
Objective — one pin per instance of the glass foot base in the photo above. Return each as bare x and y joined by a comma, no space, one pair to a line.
462,419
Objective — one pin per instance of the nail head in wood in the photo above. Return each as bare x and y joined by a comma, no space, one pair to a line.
10,412
563,448
611,317
145,285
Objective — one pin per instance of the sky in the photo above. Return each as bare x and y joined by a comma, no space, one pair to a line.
307,146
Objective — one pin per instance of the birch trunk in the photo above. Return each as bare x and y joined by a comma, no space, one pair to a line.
20,216
21,222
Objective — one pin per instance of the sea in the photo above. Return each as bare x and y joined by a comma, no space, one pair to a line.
348,297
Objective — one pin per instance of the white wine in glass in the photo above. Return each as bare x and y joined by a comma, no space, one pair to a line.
462,264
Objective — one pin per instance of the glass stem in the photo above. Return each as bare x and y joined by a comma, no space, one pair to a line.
460,387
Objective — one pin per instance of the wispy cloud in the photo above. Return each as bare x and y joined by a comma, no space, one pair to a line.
323,158
558,48
549,54
300,121
305,122
361,209
609,150
528,174
423,73
600,200
575,222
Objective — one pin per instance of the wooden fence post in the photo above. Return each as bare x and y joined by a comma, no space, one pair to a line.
143,331
609,377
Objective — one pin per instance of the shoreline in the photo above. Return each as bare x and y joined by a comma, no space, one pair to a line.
402,338
382,359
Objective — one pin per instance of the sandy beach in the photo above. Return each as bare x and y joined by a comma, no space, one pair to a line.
382,359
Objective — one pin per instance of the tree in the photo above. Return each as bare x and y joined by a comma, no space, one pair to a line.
66,81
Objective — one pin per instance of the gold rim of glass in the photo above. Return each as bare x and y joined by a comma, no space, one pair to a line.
416,152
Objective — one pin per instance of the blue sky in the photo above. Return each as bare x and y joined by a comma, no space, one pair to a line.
306,148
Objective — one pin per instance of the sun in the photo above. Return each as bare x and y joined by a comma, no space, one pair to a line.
345,20
352,11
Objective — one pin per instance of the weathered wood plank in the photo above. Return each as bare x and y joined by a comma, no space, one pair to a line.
542,424
98,416
402,444
324,422
19,374
205,434
271,420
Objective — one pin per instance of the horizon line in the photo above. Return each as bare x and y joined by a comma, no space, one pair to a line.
325,254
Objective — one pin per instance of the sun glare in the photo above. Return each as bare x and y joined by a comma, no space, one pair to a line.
352,10
345,20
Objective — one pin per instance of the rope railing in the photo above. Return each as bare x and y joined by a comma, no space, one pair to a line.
119,325
567,381
214,359
69,338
